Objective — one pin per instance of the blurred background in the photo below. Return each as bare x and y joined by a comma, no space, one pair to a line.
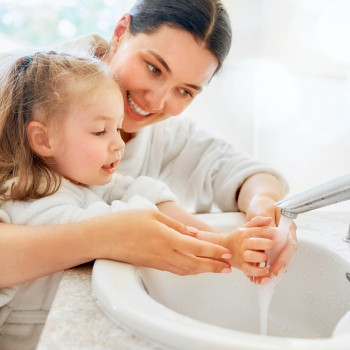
283,95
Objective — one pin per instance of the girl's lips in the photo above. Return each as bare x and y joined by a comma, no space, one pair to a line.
109,168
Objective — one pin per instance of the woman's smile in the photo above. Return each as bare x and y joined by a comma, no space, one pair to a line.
135,107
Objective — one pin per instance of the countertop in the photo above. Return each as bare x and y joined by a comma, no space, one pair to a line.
75,321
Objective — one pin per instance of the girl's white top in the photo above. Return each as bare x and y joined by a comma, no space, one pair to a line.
23,308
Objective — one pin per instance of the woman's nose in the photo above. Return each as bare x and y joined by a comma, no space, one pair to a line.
156,98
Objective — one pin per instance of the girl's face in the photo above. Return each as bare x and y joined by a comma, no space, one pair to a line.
88,146
159,74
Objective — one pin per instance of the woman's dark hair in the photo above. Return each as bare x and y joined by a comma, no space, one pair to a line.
206,20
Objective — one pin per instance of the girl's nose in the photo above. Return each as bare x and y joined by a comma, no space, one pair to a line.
117,144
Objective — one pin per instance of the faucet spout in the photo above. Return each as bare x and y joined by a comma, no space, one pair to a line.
331,192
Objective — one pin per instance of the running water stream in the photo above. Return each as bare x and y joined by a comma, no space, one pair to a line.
267,290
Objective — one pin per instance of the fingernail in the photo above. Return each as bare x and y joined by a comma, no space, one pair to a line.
226,256
191,229
226,270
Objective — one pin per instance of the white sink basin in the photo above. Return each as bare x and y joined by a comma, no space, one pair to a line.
220,311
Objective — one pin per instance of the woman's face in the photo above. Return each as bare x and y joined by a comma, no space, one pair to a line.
159,74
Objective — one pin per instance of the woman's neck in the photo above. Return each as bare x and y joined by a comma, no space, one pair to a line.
126,136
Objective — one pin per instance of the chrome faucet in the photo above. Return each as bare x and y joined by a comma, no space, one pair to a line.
331,192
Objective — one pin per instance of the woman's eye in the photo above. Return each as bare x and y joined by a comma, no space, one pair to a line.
186,93
153,69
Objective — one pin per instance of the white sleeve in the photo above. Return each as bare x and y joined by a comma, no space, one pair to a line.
125,187
70,203
4,217
200,168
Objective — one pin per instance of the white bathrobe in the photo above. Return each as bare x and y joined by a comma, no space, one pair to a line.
23,308
200,168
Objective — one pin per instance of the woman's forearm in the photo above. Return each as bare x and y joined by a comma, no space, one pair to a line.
142,237
174,211
258,195
28,252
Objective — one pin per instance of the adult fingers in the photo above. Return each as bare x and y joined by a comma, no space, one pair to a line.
191,265
196,247
284,257
174,224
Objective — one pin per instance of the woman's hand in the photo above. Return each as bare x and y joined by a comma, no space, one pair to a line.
287,253
284,257
263,205
149,238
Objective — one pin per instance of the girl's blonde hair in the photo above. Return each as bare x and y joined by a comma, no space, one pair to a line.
40,87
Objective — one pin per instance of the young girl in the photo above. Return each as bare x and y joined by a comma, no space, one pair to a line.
60,143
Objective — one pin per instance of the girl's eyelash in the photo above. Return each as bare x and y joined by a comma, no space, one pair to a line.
99,133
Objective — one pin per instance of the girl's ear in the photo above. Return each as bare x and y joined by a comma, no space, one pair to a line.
121,28
39,139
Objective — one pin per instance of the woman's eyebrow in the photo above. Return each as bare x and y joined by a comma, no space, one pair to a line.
167,68
160,60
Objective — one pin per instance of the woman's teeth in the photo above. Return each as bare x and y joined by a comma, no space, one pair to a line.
136,108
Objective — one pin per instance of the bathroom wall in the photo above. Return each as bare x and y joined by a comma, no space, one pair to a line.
284,94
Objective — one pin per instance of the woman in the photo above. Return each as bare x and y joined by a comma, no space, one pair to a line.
162,60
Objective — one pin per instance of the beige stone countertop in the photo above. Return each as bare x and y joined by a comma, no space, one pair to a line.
75,321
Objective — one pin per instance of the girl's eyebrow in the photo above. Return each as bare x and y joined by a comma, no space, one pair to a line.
167,68
102,117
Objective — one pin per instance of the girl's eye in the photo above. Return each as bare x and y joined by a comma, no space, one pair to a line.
99,133
153,69
186,93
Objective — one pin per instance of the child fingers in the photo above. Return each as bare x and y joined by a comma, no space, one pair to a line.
253,271
252,232
257,243
252,256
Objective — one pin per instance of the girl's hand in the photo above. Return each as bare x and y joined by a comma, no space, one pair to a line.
146,237
248,244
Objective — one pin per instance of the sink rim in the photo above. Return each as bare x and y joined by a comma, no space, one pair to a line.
148,317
